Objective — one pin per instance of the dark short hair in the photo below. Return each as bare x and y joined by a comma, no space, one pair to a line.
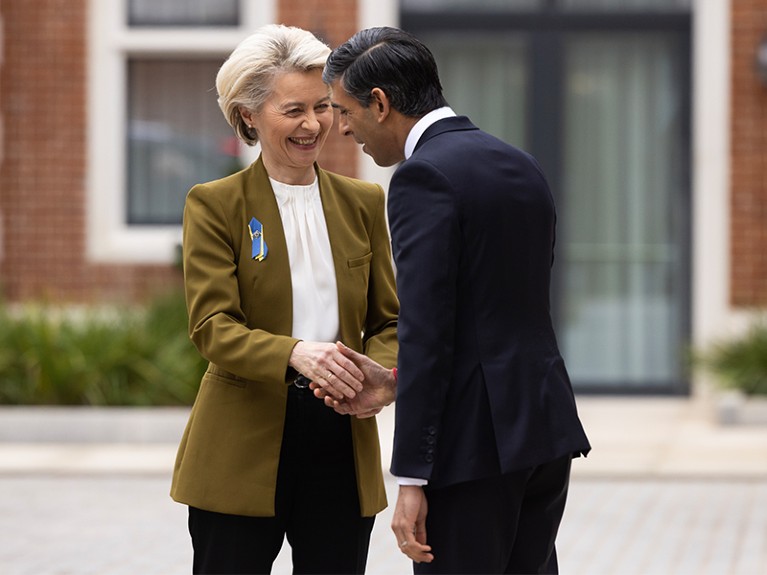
392,60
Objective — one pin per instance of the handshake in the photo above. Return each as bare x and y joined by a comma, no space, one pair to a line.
349,382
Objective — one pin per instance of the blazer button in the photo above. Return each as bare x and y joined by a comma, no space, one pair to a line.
428,458
431,430
430,440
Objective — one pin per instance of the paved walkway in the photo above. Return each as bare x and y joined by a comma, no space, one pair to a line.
665,490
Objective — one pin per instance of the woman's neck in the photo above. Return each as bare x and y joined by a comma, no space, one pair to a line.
294,176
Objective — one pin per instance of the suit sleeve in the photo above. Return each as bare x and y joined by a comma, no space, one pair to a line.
217,323
425,231
380,339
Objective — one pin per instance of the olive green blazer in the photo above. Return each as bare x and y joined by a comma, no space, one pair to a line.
240,319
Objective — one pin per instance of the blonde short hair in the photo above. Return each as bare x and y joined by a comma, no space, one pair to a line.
247,77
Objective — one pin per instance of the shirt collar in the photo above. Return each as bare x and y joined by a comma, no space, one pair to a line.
421,126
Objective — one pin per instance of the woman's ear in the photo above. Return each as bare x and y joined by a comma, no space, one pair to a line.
380,104
247,116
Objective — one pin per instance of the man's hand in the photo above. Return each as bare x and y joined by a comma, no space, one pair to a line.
409,523
378,390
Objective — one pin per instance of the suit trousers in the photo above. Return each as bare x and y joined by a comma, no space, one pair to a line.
316,504
502,524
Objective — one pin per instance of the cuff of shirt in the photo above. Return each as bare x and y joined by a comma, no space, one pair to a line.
412,481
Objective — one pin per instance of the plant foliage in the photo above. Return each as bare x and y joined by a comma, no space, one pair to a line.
741,363
125,356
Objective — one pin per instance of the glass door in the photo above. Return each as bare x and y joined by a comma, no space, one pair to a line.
604,107
623,249
484,77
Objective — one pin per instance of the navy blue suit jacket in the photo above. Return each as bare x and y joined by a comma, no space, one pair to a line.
482,388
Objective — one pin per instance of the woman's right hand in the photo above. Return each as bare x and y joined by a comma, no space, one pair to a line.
380,387
327,367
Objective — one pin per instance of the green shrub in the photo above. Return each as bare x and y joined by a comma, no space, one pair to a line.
740,363
124,356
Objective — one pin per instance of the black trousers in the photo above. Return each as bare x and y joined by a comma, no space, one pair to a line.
503,524
317,506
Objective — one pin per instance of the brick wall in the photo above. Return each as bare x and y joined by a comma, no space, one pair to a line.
748,200
43,170
43,164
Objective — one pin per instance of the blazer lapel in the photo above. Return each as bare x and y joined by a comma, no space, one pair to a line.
274,271
341,236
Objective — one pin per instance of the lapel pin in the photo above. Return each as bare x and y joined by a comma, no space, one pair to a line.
258,248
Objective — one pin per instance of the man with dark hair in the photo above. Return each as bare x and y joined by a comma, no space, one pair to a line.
486,424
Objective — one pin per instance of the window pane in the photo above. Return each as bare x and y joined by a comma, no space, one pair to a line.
483,76
177,136
535,5
474,5
626,5
184,12
621,245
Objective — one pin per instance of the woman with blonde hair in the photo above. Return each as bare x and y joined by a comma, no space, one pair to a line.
281,260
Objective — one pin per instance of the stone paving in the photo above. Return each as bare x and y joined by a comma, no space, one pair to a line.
665,491
128,525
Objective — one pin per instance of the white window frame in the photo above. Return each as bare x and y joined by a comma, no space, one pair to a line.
376,13
111,43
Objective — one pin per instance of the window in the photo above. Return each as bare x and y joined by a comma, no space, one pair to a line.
474,5
626,5
599,92
155,128
410,7
623,252
179,13
493,66
176,136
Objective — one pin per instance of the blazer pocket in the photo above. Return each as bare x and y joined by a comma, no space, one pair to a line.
221,376
361,261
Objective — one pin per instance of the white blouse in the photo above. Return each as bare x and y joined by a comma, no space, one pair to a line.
315,297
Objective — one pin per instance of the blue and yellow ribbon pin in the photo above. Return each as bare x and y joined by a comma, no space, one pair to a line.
258,248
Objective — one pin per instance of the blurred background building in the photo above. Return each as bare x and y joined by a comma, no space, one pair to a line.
648,116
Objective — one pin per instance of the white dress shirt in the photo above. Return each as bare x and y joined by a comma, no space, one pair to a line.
315,296
421,126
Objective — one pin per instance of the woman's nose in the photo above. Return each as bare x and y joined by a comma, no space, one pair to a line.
311,123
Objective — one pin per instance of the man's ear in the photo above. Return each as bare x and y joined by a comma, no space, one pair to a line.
380,104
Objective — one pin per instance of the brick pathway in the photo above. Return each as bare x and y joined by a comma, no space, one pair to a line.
665,491
128,525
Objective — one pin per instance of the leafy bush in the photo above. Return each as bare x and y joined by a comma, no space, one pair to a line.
125,356
740,363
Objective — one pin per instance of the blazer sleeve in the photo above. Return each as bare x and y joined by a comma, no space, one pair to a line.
380,335
217,324
426,240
